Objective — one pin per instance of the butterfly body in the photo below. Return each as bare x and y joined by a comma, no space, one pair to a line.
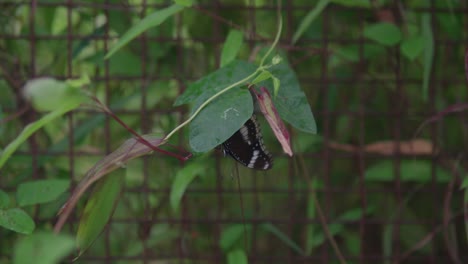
246,146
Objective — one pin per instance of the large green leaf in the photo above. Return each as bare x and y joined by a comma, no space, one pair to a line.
216,81
291,102
220,119
43,248
40,191
216,122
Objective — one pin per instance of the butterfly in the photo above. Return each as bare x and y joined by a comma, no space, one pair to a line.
246,146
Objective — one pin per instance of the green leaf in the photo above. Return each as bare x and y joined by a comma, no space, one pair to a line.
215,82
263,76
99,209
47,94
4,199
186,3
309,18
354,214
231,235
319,237
182,180
33,127
231,47
384,33
43,248
225,114
237,256
40,191
410,170
283,237
353,3
17,220
412,47
291,102
310,230
149,21
60,20
428,55
464,184
220,119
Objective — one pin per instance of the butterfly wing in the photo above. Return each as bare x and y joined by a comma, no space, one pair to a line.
246,146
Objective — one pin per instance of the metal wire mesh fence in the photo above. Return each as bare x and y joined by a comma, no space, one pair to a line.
388,182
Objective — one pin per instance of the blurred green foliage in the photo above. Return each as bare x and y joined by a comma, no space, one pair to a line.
371,73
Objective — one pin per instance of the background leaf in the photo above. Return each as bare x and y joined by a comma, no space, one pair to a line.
182,180
16,220
412,47
410,170
283,237
43,248
231,235
309,18
40,191
384,33
231,46
4,199
237,256
428,55
149,21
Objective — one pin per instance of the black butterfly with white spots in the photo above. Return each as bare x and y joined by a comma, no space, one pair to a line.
246,146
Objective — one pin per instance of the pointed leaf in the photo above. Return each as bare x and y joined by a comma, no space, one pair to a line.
98,210
237,256
428,54
231,235
309,18
29,130
291,102
412,47
264,75
182,180
384,33
283,237
149,21
231,46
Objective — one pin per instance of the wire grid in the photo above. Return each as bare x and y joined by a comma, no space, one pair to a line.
272,197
